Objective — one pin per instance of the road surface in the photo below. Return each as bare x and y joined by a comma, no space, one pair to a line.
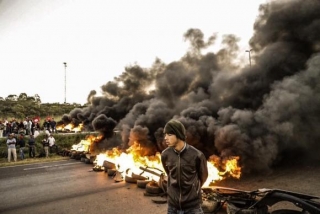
67,187
70,186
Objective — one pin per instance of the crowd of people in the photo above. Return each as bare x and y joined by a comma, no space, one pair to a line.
28,126
20,142
16,133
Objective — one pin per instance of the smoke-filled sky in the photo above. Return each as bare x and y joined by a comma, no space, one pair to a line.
264,113
142,63
98,39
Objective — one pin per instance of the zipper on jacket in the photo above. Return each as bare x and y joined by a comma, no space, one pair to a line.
179,180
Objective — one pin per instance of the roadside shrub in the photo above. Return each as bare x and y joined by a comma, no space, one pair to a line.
63,141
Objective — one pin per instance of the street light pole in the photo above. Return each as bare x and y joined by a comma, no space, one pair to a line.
249,51
65,82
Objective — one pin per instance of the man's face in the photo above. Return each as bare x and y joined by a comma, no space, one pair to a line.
171,140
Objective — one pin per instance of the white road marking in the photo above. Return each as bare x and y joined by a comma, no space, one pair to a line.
42,167
31,164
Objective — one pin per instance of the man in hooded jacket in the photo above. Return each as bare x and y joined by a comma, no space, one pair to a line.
186,168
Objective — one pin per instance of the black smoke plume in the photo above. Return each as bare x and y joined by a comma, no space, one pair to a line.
263,113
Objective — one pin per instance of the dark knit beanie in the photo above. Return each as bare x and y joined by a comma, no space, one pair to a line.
177,128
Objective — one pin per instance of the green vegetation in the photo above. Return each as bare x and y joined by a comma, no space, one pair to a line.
4,162
63,141
19,107
23,106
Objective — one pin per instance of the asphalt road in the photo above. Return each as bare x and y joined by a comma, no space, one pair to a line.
68,187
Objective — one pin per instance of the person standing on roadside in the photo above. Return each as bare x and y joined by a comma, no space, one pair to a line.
2,126
53,124
8,129
29,125
45,144
21,142
36,133
25,124
52,142
186,168
11,143
46,125
32,147
14,126
5,123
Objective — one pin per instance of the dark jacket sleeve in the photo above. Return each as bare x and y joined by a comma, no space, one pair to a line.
203,169
163,161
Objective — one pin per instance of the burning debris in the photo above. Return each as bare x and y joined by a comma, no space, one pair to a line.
84,150
69,128
262,113
131,165
124,166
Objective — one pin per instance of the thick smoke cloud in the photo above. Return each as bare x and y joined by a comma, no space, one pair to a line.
264,113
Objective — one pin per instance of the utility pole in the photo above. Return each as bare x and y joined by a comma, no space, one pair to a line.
65,82
249,51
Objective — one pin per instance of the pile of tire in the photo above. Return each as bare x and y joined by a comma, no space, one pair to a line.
143,183
77,155
109,168
152,189
64,152
133,178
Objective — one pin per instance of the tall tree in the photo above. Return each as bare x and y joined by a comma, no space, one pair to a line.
37,98
22,96
12,97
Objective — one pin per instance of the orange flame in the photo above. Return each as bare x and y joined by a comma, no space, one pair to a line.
70,127
86,145
130,161
229,168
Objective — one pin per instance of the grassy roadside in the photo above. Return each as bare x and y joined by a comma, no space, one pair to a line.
4,161
63,141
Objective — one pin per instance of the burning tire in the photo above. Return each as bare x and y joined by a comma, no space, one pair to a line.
78,156
72,155
285,212
109,165
65,153
129,179
138,177
142,183
111,172
153,188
